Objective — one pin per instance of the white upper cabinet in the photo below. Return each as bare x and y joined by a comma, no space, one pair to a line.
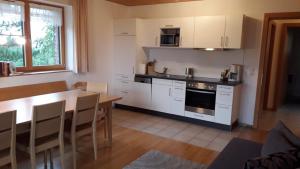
150,33
123,27
233,38
187,30
125,56
209,32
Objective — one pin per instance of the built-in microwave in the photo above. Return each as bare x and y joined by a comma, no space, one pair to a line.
170,37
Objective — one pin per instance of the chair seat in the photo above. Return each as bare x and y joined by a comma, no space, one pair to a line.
41,144
4,157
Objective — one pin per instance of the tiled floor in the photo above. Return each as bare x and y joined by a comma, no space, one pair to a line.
189,133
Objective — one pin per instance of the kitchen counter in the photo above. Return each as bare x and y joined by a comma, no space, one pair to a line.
193,79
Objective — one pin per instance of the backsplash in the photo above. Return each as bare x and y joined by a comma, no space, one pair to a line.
205,63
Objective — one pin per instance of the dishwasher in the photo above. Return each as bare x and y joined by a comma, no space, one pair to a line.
142,92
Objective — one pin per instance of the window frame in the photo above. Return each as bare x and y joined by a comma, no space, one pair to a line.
28,66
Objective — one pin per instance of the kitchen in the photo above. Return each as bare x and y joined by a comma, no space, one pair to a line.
175,44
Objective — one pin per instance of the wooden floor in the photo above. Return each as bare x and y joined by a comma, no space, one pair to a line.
128,145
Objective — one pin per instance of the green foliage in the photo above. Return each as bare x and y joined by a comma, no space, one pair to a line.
44,50
11,51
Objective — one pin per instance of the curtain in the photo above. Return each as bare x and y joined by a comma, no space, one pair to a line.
50,15
81,35
11,11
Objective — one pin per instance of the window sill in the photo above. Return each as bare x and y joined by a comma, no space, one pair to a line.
38,73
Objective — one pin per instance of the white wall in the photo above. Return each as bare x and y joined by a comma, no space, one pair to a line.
254,9
101,14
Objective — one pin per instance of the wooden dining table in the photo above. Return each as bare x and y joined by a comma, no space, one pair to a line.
24,106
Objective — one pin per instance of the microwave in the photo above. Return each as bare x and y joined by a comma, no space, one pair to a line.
170,37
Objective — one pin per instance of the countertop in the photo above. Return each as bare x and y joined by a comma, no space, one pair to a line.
193,79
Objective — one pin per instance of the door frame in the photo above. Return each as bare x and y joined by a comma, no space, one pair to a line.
262,73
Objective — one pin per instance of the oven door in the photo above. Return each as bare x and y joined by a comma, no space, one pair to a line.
200,101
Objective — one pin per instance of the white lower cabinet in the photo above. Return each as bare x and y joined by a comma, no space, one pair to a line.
177,106
141,95
161,96
223,114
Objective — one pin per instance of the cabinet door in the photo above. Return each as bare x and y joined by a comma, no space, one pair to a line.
234,32
187,30
150,33
161,96
124,56
209,31
177,106
223,114
141,95
125,27
224,95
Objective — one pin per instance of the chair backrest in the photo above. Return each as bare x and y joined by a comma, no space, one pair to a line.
86,109
7,130
97,87
47,120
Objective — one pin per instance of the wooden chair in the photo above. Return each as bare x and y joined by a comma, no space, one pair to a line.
46,133
8,139
102,116
84,122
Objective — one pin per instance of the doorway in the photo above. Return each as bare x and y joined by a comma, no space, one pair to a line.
278,96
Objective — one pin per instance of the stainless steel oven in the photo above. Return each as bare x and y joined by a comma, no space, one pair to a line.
200,98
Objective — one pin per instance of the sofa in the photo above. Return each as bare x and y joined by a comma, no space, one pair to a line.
280,150
236,153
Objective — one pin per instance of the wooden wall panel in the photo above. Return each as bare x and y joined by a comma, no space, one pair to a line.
32,90
146,2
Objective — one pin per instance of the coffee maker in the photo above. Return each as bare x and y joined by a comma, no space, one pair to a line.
235,73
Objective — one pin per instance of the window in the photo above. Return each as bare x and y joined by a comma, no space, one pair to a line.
36,45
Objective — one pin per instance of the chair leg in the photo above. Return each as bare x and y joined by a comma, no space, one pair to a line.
13,160
105,126
51,158
45,159
73,142
95,141
61,149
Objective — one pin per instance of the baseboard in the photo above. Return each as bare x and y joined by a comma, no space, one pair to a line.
181,118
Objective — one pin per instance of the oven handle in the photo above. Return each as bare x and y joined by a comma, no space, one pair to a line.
198,91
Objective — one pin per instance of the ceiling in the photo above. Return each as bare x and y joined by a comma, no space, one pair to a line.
145,2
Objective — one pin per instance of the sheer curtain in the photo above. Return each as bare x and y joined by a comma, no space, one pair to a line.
81,35
11,11
50,15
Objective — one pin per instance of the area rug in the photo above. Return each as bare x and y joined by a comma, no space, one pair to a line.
158,160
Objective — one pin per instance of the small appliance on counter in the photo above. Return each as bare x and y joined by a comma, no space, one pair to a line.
189,72
150,67
235,73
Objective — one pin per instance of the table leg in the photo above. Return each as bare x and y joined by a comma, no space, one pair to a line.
109,111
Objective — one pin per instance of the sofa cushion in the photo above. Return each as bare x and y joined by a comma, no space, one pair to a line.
288,133
236,153
276,142
286,160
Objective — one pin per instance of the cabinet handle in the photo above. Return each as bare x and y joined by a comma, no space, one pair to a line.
178,88
178,100
133,70
169,91
169,25
222,41
124,33
226,41
125,82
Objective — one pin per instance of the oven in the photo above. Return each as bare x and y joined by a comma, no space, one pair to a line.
200,98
